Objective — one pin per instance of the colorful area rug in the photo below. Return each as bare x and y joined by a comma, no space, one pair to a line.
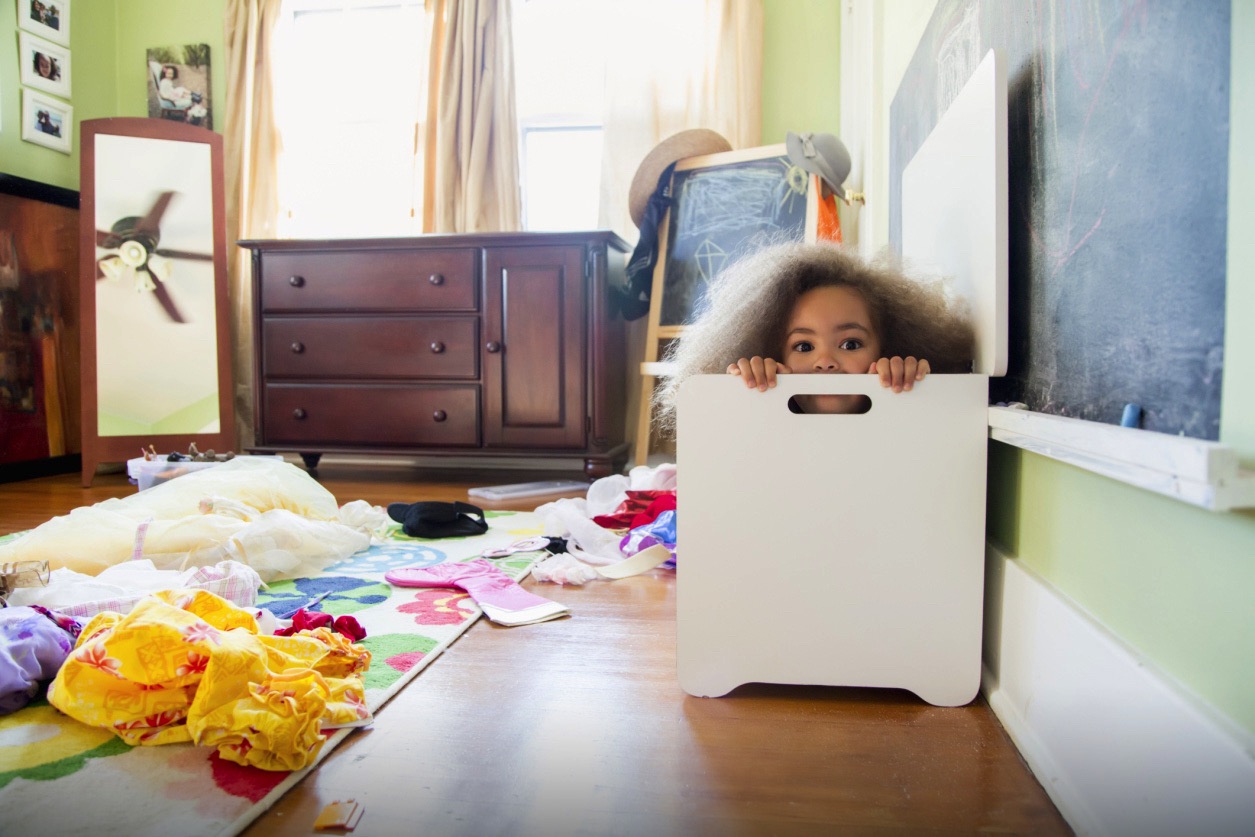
58,776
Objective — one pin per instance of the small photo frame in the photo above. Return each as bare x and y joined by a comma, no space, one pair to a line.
46,18
47,121
45,66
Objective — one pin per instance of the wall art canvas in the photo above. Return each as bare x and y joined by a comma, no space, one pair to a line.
178,84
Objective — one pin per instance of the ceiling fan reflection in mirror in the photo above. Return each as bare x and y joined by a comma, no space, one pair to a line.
139,259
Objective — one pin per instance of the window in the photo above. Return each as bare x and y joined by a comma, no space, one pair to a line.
351,102
559,58
350,97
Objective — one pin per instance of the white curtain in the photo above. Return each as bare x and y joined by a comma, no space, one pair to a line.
471,181
250,145
674,65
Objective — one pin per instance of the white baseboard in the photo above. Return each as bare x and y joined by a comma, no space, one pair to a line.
1121,748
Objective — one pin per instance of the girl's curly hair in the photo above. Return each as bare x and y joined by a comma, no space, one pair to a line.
747,308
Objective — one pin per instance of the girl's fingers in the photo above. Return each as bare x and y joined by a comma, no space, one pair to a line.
909,367
922,370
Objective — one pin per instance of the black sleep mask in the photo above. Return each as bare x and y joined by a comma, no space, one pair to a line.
433,519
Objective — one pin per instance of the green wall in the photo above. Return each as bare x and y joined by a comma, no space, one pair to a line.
93,89
109,40
801,67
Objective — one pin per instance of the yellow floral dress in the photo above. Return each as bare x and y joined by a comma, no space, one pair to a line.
187,665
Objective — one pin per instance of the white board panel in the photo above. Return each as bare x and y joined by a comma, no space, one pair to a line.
954,206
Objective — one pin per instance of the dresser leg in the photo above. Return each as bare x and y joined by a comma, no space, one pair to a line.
595,469
311,460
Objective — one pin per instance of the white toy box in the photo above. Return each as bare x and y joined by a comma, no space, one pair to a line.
848,550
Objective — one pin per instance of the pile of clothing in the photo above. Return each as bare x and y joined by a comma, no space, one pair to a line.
621,517
148,625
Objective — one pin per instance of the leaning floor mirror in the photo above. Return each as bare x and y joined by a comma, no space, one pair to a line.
156,352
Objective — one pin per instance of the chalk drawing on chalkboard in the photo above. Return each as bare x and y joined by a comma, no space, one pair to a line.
723,206
721,210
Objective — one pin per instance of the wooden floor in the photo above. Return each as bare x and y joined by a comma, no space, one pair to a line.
578,726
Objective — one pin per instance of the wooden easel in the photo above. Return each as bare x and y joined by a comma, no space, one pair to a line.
652,368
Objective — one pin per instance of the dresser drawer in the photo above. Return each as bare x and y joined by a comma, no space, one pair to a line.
370,347
304,415
383,280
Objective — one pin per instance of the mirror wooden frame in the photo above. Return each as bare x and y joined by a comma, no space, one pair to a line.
98,449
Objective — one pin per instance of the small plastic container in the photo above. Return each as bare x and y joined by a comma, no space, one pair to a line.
146,473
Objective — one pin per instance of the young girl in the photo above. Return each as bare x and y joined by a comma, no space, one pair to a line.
816,308
180,96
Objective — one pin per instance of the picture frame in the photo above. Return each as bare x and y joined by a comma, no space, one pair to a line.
45,65
47,121
48,19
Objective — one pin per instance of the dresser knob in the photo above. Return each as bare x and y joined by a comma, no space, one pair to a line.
298,348
298,413
437,348
493,347
296,281
436,279
440,415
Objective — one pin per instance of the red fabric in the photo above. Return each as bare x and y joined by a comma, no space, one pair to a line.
640,508
308,620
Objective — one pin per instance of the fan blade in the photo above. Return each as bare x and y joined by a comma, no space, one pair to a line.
163,296
104,238
183,254
151,223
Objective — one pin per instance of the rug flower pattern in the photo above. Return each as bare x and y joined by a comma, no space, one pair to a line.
47,758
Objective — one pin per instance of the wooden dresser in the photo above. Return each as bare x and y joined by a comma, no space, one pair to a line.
501,345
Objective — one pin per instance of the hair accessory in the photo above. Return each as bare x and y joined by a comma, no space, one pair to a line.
533,544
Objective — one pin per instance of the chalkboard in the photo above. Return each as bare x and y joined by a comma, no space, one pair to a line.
723,207
1118,129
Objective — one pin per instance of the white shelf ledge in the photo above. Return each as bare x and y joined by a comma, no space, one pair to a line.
1199,472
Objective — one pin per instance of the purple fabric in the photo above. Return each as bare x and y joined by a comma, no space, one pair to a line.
33,645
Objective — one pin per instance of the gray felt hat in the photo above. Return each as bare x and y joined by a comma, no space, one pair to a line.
821,154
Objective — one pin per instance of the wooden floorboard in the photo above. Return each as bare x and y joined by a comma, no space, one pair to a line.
578,726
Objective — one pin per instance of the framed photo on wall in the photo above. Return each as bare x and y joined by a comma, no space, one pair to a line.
46,18
45,66
47,121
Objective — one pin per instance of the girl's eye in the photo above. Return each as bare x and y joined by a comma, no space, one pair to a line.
852,344
802,346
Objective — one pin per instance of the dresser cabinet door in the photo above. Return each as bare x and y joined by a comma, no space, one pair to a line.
533,350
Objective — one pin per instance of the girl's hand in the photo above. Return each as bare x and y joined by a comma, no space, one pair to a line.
899,373
758,372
